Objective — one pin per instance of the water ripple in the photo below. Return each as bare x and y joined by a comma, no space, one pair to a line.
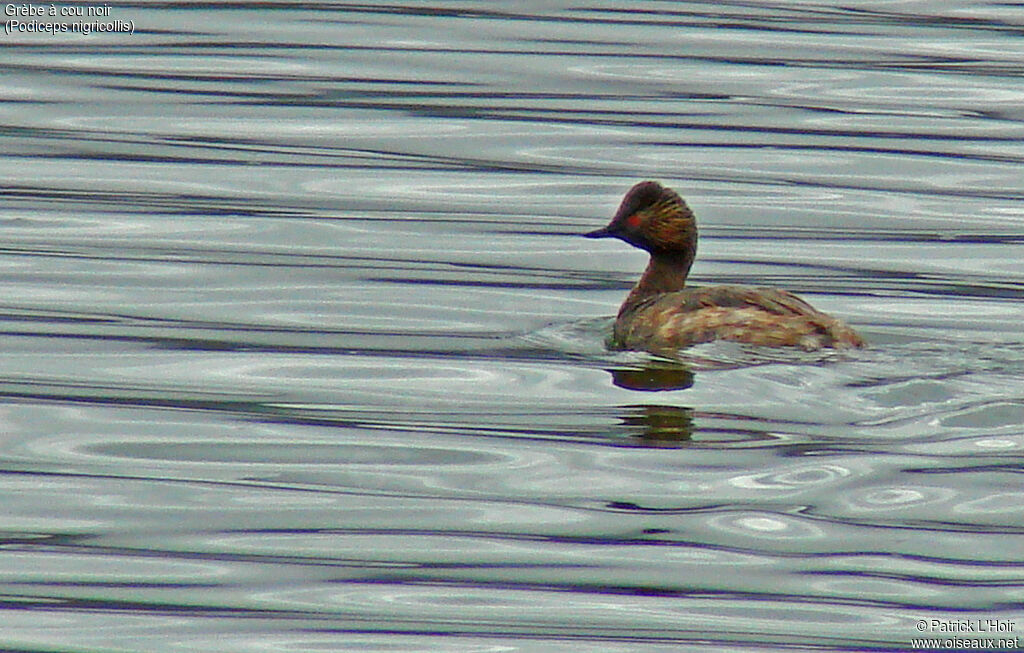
302,349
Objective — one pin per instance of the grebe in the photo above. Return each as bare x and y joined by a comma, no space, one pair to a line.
661,314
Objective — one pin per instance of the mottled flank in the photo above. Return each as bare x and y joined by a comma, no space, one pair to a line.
758,316
661,315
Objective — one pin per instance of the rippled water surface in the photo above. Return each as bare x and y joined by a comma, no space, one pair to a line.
301,350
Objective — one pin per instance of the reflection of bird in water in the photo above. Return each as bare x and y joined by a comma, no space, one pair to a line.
662,426
662,315
653,377
659,426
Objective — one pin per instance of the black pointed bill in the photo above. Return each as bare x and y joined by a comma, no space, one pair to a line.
603,232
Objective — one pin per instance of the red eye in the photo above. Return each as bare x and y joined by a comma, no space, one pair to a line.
633,221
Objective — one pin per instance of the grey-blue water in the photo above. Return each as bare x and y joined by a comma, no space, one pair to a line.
301,349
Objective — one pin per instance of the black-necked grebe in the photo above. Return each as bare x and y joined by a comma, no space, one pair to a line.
661,314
